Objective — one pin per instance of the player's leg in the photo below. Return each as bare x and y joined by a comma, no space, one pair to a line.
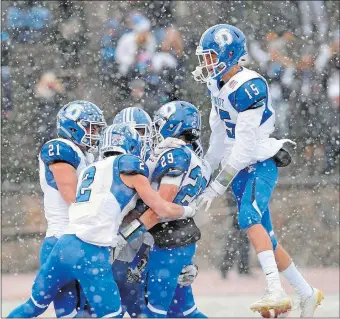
244,249
46,248
50,278
164,267
252,204
132,293
310,297
119,269
94,272
183,304
67,300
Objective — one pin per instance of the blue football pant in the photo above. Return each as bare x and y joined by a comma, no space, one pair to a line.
132,294
183,304
67,300
164,268
72,259
253,188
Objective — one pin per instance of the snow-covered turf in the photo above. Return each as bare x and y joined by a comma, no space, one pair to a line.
227,306
214,296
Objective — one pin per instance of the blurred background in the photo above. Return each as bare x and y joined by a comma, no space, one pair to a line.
141,53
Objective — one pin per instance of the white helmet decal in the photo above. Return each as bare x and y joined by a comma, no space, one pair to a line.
73,111
223,37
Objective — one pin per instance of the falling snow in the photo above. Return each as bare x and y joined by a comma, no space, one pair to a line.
54,52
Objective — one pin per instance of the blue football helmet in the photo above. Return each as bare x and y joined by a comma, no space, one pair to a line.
228,43
175,119
122,139
81,122
140,120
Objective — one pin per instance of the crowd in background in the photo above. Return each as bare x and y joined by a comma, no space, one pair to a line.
143,55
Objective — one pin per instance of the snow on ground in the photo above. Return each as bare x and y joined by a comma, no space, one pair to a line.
214,297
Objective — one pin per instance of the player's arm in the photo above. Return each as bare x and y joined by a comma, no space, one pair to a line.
216,141
153,199
169,172
62,161
168,190
150,218
66,179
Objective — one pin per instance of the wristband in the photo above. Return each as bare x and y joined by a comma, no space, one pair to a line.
225,177
188,211
218,187
133,230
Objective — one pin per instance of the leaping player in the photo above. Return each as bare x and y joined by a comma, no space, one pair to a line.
241,120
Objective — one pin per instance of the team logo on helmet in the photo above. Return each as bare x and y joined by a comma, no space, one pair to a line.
74,111
167,111
117,139
223,37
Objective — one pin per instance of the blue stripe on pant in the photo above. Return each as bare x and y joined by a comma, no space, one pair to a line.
164,267
72,259
67,299
183,304
253,188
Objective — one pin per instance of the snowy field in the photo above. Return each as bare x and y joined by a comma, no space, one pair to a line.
228,306
215,297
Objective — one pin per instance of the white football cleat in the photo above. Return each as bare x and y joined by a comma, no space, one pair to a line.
274,303
309,304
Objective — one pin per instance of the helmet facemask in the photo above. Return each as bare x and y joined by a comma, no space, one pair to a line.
157,126
144,132
209,66
92,133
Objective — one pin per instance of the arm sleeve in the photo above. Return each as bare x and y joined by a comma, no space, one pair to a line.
57,151
247,126
132,165
214,154
172,163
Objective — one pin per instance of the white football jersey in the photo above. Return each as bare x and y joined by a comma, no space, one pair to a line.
103,200
241,120
181,162
55,207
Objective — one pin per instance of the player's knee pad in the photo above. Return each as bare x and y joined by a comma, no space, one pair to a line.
248,216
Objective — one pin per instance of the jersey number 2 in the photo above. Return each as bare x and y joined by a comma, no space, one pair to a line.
84,193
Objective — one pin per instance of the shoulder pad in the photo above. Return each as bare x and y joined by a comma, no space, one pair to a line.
132,165
172,163
57,151
249,95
